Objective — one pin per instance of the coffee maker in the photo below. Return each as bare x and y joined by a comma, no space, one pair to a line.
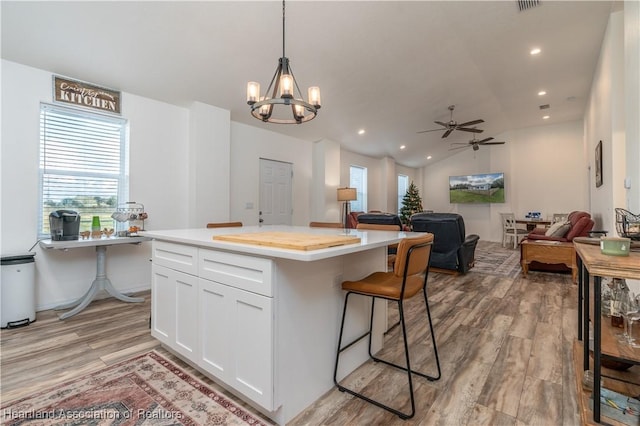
64,225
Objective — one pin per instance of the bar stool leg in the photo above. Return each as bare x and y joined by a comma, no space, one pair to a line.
408,369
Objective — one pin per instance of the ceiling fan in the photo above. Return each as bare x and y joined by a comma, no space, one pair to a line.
475,143
453,125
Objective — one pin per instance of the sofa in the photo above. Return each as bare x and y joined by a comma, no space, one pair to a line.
453,250
578,224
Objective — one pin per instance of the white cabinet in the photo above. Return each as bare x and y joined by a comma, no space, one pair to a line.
174,318
163,304
236,329
216,309
174,294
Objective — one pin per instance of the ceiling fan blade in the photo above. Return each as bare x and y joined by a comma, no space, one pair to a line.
460,143
484,140
442,124
471,123
492,143
432,130
473,130
447,133
458,147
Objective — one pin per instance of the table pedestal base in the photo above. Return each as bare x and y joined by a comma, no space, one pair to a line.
101,282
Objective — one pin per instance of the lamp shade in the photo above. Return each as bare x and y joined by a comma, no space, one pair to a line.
347,194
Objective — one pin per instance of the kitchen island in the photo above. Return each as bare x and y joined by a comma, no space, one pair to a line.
263,321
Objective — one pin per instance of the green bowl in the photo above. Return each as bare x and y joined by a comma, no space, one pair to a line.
614,246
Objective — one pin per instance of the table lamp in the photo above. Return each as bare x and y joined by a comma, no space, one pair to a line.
346,195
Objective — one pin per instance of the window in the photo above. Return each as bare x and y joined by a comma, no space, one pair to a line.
358,180
403,186
83,165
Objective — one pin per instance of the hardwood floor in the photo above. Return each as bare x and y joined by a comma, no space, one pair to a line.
505,348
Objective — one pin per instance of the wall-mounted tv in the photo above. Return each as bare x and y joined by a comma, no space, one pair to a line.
480,188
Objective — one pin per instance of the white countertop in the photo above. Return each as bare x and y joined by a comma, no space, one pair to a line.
203,237
91,242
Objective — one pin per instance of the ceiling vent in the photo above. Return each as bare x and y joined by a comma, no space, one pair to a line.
527,4
545,106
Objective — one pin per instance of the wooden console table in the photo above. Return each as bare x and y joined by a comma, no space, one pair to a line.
553,252
533,223
591,262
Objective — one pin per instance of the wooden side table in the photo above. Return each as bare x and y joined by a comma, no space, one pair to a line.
549,252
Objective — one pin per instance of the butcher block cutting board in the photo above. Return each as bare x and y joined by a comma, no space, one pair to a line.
290,240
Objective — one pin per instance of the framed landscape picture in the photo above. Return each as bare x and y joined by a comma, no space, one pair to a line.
599,164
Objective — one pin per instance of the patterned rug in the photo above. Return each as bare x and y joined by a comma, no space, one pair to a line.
491,258
145,390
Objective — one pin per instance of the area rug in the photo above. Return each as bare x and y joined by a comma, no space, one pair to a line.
145,390
491,258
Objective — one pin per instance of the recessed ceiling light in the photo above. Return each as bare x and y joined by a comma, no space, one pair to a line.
428,157
546,117
535,51
361,132
542,93
403,146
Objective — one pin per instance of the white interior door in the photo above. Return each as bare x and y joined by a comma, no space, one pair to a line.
275,192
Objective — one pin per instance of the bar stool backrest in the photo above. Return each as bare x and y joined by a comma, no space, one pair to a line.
413,260
224,224
378,226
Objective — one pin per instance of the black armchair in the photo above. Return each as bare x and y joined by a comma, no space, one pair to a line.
452,250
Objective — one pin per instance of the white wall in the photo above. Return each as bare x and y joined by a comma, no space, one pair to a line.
158,179
612,116
209,165
609,108
604,121
248,145
544,171
325,182
632,101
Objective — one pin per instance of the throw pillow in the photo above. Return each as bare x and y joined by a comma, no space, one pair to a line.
558,230
562,231
553,228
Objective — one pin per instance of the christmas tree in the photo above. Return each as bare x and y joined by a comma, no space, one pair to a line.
411,203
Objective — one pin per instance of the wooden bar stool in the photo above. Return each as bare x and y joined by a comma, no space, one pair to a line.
408,278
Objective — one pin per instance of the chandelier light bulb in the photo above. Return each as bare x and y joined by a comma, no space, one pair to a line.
253,92
298,111
314,96
265,110
286,86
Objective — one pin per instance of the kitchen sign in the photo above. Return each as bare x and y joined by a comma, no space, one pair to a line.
85,95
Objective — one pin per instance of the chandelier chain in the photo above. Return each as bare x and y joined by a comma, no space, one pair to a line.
283,55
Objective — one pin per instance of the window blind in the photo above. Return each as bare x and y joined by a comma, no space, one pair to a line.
83,164
358,180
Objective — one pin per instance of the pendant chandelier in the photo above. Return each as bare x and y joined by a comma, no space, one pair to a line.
284,93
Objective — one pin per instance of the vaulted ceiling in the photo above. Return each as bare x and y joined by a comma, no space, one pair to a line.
389,67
